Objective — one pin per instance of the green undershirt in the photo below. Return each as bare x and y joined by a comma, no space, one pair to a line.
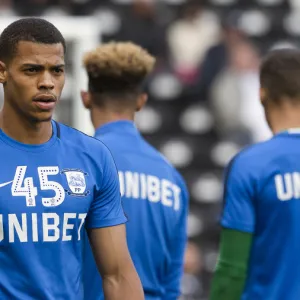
231,270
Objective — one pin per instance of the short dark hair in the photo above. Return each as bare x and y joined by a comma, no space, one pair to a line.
280,74
31,30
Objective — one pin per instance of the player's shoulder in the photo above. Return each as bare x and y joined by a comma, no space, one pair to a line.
254,157
155,154
163,160
80,140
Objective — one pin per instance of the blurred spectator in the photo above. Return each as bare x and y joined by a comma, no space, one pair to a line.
229,77
216,58
190,37
57,8
141,27
191,286
6,8
31,7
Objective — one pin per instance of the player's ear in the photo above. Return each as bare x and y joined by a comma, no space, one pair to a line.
86,99
3,72
141,101
263,96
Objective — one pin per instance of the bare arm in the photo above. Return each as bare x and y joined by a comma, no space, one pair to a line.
120,279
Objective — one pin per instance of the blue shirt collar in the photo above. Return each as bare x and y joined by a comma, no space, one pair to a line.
123,126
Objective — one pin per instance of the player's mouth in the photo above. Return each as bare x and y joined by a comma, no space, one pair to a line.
45,102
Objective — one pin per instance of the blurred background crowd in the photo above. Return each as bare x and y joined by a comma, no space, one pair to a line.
204,101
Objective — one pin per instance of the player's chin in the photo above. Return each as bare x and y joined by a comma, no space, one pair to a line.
44,116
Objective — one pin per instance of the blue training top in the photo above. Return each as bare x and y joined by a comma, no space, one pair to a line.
48,194
155,200
262,197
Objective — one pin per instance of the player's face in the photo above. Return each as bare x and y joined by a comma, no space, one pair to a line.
34,80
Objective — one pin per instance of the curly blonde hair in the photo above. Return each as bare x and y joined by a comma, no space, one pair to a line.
117,65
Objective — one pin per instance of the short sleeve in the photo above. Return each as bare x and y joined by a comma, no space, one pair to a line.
106,208
238,212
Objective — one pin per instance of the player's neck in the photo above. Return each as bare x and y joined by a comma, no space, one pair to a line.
23,130
102,117
283,120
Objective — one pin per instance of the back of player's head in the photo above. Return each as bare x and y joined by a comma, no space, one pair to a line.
280,75
30,30
117,70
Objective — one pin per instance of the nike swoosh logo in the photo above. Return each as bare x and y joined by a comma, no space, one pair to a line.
5,183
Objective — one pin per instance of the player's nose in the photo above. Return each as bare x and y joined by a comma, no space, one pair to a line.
46,81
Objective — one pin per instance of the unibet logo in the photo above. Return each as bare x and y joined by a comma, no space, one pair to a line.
45,227
141,186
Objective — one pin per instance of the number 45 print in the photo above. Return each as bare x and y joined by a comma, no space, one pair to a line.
22,186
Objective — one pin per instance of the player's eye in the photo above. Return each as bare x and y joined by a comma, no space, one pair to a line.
32,70
58,70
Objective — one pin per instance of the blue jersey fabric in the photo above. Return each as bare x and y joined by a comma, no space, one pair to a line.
49,193
262,197
155,200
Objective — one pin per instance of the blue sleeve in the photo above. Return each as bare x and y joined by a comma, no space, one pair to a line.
239,194
178,245
106,208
